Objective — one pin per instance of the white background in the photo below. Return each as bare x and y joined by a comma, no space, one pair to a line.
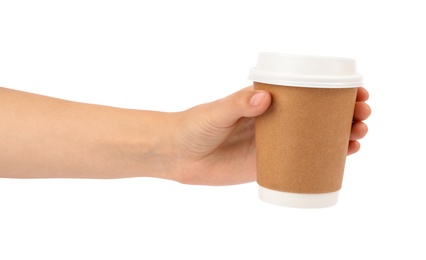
171,55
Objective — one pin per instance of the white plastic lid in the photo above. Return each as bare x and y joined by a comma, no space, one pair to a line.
298,200
305,71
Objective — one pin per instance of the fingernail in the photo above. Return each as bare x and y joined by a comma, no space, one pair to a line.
257,98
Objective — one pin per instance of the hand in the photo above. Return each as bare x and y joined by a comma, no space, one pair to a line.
216,140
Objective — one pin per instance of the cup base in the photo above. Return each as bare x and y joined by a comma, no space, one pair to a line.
298,200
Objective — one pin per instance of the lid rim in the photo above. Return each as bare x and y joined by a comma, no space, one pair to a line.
305,71
347,81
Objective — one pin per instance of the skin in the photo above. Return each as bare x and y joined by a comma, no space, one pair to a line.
209,144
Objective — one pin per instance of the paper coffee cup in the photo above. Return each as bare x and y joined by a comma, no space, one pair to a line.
302,139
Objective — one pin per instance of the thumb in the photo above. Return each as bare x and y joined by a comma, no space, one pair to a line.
244,103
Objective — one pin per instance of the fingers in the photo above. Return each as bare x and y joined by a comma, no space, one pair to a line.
362,111
362,94
244,103
353,147
359,130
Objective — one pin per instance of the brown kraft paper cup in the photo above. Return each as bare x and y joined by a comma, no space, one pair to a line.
302,139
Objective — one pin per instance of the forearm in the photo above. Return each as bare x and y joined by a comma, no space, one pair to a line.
44,137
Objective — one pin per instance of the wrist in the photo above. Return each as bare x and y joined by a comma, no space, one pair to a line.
143,144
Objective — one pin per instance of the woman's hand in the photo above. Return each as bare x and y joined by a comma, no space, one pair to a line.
216,140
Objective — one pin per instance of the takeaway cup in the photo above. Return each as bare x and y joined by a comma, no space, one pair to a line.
302,139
